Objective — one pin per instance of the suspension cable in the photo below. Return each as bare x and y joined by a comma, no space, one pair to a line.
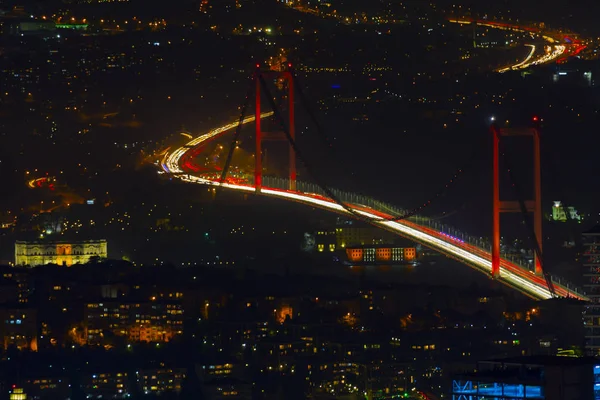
526,220
310,112
299,154
236,135
455,177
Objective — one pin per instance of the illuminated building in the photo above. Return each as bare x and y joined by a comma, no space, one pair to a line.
18,327
227,388
221,381
535,377
350,235
217,369
158,381
76,27
281,354
28,27
152,321
325,241
574,77
337,378
559,213
347,235
48,387
591,272
57,252
387,380
381,254
17,394
282,312
105,385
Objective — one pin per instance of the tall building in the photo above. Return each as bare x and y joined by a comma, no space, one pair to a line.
591,273
58,252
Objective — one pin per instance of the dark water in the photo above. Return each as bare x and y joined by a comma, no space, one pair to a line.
441,271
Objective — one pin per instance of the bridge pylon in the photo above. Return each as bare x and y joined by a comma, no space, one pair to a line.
287,78
534,206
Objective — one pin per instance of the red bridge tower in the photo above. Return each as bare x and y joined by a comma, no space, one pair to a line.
285,77
499,206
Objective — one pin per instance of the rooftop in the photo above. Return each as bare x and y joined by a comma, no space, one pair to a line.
543,360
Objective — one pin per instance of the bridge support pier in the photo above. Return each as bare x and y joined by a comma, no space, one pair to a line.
534,206
261,136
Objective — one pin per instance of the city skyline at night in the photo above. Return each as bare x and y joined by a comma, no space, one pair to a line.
303,199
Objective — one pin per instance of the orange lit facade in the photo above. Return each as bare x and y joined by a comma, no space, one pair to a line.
62,253
282,312
381,254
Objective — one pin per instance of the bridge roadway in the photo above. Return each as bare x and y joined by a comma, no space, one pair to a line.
511,274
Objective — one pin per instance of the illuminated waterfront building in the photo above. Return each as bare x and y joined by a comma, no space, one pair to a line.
378,254
58,252
346,234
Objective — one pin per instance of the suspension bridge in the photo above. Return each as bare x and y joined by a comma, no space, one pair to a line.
474,252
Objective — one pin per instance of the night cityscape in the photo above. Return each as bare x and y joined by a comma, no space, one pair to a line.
299,199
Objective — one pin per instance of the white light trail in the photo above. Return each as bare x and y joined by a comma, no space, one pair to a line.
522,64
510,274
550,55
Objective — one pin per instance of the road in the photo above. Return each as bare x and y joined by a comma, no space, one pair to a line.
511,274
555,50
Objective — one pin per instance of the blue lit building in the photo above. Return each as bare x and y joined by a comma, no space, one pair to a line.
530,377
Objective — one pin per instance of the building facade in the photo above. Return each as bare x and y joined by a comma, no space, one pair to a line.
534,377
18,328
375,254
37,253
591,273
105,385
159,381
152,321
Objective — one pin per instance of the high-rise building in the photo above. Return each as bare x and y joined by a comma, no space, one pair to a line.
591,273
